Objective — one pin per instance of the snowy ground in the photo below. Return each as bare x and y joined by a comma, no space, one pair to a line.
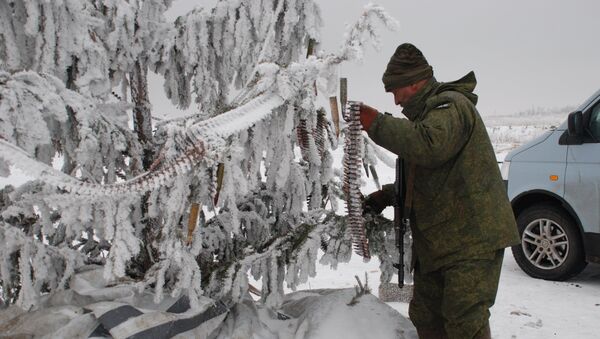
525,307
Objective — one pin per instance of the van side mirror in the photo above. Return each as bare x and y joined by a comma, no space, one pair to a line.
575,123
575,132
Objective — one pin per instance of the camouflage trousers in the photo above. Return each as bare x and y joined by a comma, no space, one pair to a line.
456,298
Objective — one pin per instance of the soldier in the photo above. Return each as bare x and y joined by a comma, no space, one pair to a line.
461,217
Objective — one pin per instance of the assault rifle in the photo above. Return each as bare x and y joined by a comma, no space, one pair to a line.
400,220
404,185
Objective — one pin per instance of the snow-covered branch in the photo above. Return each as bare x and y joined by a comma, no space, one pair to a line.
40,117
40,268
208,50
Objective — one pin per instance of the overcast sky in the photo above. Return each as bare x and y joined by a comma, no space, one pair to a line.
525,53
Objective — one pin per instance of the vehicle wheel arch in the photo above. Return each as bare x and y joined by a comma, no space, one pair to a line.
533,197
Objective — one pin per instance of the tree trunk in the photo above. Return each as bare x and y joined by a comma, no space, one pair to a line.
142,117
142,126
69,165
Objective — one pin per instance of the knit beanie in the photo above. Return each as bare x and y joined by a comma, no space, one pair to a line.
406,67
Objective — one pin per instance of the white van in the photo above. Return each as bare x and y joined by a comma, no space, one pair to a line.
553,183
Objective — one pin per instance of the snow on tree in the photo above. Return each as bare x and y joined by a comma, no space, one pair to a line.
255,158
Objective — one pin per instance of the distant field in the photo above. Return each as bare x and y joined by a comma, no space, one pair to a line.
506,138
510,131
532,117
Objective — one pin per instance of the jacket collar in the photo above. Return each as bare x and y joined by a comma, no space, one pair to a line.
416,105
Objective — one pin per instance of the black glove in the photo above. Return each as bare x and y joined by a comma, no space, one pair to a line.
374,203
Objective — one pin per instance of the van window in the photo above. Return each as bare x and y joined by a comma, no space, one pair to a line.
595,122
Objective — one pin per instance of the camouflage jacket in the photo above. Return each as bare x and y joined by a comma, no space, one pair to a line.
460,206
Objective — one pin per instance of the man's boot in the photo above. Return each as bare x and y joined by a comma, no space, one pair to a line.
432,333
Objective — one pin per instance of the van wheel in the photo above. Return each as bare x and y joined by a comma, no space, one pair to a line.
551,247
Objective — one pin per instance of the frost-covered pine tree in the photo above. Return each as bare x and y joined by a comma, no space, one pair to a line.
184,206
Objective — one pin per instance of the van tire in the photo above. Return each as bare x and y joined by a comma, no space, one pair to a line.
552,235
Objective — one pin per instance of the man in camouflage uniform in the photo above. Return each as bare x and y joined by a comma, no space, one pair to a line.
461,217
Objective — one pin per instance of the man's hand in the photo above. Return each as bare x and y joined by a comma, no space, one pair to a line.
374,203
367,116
